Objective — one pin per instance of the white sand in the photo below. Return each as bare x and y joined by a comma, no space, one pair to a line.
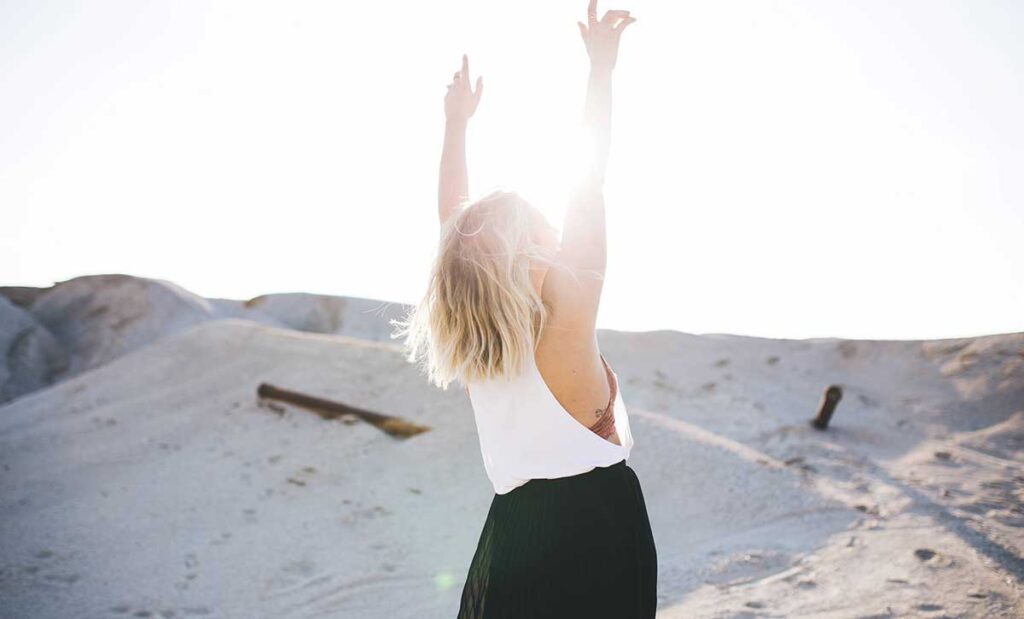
157,482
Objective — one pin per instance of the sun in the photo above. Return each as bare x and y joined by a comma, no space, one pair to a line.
544,167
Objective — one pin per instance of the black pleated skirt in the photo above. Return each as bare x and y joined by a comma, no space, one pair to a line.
578,546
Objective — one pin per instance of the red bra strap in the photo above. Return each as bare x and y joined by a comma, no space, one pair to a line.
605,426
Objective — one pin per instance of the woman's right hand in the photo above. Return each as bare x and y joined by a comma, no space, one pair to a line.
602,37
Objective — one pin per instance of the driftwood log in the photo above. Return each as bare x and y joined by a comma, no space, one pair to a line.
329,409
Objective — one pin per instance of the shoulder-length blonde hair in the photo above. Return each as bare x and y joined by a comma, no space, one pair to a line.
480,314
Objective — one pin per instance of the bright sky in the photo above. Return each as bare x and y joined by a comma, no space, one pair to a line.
780,169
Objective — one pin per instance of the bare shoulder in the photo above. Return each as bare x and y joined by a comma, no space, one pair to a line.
569,363
573,295
569,341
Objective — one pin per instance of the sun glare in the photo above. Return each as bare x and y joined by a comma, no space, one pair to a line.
545,175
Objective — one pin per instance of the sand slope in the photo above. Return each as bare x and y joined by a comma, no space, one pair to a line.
157,482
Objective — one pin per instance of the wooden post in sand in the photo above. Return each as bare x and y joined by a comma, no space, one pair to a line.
829,401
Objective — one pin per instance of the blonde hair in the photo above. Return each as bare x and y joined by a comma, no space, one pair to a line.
480,314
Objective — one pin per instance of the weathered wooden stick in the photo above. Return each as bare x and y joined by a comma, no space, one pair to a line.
828,406
329,409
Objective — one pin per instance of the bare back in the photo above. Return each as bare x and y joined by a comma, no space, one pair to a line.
568,356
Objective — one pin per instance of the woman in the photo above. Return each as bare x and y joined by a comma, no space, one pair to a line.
510,312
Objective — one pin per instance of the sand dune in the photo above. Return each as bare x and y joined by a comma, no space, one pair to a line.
148,479
54,333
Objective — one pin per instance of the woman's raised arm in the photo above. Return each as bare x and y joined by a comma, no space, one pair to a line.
577,295
459,105
583,233
601,39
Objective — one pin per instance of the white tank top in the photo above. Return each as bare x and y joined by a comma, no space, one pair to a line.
525,433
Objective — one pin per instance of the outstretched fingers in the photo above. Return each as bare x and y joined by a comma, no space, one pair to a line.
463,75
622,25
612,16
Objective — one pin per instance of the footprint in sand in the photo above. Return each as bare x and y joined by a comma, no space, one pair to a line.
932,558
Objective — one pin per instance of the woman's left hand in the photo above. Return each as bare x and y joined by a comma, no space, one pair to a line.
460,102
